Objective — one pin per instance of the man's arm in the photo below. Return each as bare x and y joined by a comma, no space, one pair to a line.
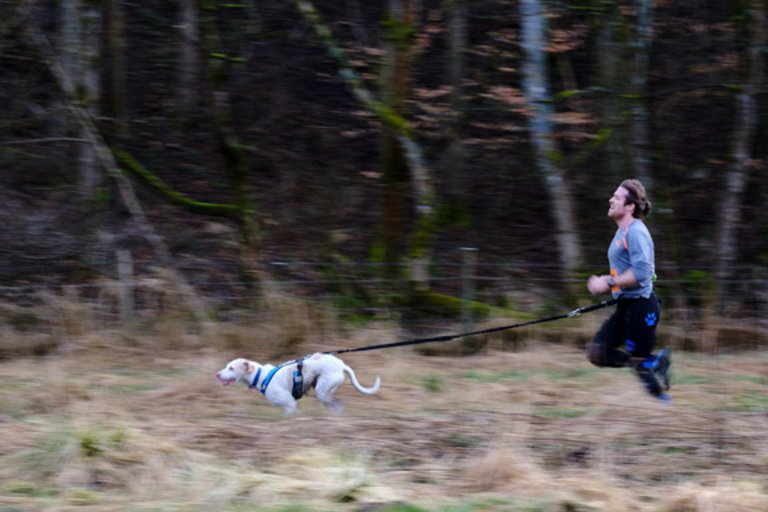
604,283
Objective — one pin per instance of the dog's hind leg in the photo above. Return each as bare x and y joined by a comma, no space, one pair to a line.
326,388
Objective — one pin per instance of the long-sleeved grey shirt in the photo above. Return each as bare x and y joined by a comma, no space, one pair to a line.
632,248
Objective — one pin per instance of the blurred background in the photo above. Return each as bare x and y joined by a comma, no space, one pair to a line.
295,175
378,154
369,152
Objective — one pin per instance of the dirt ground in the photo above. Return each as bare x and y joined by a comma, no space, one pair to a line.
108,427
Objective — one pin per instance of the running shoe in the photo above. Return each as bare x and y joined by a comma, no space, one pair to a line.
661,367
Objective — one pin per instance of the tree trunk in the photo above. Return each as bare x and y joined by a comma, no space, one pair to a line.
535,85
79,39
189,58
751,76
609,73
112,101
231,147
405,152
746,109
69,37
89,86
103,153
396,83
639,131
456,154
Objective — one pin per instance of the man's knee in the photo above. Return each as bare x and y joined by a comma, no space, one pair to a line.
597,355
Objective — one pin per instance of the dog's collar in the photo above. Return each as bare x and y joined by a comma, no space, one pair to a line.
255,381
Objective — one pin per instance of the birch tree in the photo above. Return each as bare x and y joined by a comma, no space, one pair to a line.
112,92
610,63
224,52
79,36
399,135
189,57
103,154
396,84
752,71
639,130
535,85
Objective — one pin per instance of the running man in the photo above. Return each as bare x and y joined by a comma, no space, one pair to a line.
628,336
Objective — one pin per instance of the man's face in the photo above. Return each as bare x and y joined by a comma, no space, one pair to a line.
618,208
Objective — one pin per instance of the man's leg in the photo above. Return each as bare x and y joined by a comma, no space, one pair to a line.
643,369
661,366
640,328
604,350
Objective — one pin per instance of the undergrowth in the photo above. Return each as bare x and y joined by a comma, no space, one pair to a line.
133,419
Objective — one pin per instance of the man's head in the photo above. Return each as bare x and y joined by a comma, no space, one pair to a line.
629,199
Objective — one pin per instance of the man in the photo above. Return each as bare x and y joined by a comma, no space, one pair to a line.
628,337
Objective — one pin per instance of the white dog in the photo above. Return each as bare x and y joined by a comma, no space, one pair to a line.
282,385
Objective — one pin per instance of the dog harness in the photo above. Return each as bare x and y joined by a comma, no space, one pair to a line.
298,378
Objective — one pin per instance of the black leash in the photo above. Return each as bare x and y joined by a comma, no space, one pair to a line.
450,337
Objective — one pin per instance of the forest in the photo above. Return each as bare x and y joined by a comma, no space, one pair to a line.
380,138
188,181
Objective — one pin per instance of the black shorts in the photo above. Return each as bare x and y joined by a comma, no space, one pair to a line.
628,333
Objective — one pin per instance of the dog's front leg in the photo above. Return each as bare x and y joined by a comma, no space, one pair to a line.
289,407
282,398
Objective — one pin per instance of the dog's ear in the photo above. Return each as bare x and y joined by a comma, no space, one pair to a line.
249,367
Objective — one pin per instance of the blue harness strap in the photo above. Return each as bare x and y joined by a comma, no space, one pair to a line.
268,378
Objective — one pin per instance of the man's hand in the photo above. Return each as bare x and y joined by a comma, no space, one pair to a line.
598,284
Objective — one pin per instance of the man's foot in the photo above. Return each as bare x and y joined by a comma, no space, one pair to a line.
646,370
665,398
661,367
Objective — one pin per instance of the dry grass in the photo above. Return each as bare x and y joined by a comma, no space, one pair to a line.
121,421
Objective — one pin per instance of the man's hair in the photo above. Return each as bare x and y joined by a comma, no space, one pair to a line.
637,196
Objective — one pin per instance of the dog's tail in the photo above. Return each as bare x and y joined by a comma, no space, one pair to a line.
353,379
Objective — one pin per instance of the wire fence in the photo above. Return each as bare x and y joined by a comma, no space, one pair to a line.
693,301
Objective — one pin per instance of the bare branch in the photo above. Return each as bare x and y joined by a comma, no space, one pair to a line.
108,163
43,141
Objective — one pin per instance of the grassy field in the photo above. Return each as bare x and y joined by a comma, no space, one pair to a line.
110,424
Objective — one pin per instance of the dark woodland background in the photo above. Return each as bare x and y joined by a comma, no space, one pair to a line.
240,131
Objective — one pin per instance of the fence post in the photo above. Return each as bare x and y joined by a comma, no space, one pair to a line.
468,270
125,294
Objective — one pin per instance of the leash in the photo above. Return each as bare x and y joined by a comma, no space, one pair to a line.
298,379
449,337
